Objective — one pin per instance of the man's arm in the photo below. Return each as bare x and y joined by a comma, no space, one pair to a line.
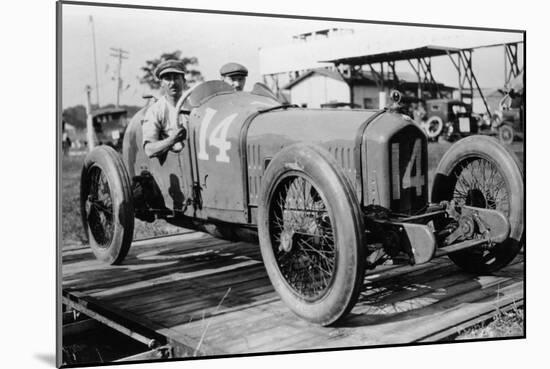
153,145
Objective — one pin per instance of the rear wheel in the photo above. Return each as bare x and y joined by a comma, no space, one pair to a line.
106,205
311,234
478,171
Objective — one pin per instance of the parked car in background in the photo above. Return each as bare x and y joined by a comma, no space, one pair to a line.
109,126
510,117
451,118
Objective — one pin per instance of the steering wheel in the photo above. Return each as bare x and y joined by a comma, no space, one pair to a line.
178,146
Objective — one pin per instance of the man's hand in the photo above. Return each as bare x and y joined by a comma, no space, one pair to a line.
173,141
178,135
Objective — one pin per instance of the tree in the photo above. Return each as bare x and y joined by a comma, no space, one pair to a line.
192,75
76,116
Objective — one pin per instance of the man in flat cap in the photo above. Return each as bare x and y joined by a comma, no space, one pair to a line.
234,74
160,127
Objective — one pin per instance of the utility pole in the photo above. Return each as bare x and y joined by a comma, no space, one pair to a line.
95,63
89,123
120,54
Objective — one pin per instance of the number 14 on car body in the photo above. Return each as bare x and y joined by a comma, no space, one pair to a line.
408,181
217,137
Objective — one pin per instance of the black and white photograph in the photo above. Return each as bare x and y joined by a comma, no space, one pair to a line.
236,183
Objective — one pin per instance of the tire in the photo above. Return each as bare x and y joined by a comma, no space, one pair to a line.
106,205
326,239
506,134
434,127
501,170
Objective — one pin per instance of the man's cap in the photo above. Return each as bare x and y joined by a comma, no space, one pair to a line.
169,66
233,69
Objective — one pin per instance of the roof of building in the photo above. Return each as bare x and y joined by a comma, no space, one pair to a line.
395,55
364,78
321,71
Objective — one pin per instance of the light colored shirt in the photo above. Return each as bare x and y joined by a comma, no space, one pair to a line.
160,121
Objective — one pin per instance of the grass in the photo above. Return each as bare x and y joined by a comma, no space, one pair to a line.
504,324
196,352
71,224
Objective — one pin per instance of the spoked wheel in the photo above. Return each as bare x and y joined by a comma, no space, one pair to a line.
99,208
478,171
106,205
311,234
479,183
302,236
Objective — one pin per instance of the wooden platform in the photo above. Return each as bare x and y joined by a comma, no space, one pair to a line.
205,296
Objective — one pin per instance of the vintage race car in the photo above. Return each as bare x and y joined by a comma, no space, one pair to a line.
326,192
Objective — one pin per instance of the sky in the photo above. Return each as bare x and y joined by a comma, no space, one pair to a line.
213,38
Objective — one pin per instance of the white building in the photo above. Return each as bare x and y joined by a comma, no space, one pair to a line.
317,87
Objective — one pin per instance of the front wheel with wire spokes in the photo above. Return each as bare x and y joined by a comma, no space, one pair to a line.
310,232
478,171
106,204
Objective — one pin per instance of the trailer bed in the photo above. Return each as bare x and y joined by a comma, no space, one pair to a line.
193,295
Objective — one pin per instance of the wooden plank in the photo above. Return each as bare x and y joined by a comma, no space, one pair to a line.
177,277
200,308
146,262
166,293
174,289
122,278
149,252
186,235
237,295
248,314
231,336
184,243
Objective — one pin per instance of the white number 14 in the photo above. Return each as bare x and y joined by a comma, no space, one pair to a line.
217,138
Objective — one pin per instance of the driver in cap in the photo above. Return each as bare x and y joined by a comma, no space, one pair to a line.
234,74
161,130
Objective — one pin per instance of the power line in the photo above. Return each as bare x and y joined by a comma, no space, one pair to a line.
120,54
95,60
